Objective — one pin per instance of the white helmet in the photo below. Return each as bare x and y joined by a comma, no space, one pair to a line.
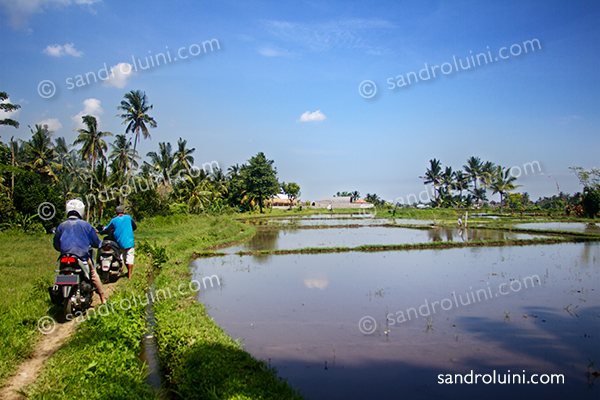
77,206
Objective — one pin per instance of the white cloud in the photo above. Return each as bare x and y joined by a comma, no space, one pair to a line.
119,75
312,116
90,107
273,52
53,124
20,11
56,50
347,34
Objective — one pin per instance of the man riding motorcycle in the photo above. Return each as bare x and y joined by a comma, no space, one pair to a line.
75,236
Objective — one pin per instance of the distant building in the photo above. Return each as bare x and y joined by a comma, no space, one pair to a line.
281,200
341,202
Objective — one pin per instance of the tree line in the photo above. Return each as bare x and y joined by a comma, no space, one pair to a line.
44,169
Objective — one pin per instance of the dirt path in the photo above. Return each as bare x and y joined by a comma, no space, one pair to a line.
30,369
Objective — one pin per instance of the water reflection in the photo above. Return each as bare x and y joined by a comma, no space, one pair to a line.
304,310
275,239
562,226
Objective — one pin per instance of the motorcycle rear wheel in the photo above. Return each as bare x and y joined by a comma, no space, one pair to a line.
67,309
105,276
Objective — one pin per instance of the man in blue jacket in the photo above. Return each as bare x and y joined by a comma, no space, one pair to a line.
75,236
122,227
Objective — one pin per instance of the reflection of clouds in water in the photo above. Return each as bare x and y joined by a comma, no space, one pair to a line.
313,283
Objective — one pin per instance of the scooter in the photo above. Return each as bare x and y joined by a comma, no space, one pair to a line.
110,265
72,288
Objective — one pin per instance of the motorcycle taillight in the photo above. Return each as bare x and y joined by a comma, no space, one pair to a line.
106,248
67,260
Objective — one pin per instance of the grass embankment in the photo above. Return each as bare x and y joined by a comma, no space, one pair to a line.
199,360
26,271
100,360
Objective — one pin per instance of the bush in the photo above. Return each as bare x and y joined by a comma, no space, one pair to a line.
591,201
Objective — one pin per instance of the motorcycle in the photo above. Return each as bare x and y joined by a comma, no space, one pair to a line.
110,265
72,288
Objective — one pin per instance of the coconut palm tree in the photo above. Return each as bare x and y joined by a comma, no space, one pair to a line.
135,114
433,174
448,180
93,145
501,181
233,171
7,107
183,157
123,154
39,152
163,162
474,169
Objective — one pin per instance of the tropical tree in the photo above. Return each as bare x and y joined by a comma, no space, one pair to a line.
501,181
123,154
39,152
433,175
233,171
292,190
8,107
135,109
591,189
355,195
448,180
474,170
260,178
93,143
163,162
183,157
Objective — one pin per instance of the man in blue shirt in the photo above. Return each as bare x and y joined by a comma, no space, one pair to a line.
122,227
75,236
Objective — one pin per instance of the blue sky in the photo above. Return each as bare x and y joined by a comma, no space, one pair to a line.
285,78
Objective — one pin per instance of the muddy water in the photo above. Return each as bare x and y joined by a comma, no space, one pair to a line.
344,237
534,309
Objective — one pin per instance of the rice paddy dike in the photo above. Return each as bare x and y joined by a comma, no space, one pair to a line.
198,359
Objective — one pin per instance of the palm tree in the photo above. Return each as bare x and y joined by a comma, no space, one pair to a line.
93,144
163,161
233,171
501,181
6,108
61,146
433,174
474,169
123,154
135,115
448,180
183,156
39,152
355,195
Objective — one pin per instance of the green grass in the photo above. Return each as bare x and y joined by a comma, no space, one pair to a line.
100,360
27,264
199,360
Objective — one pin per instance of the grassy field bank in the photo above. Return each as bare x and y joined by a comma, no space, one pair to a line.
26,271
199,360
100,360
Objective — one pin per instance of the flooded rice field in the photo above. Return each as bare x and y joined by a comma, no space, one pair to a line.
562,226
397,323
275,239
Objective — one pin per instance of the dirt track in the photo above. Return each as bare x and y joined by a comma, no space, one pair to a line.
30,369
